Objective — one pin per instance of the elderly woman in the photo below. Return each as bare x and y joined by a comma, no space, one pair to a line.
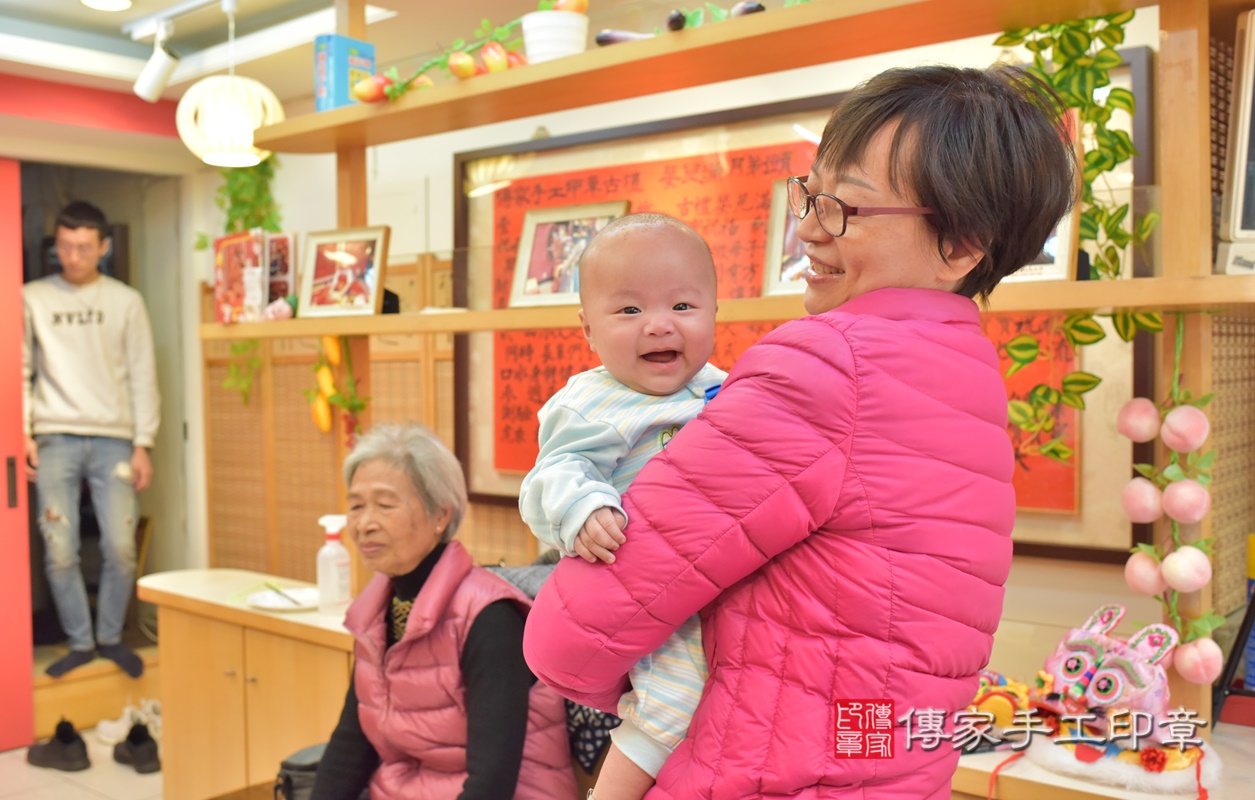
441,704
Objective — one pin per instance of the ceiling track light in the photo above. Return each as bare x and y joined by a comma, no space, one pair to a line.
156,73
217,115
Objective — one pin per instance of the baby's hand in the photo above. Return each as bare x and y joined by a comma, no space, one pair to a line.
602,533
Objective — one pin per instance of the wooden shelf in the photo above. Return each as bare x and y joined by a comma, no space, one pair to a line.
1203,293
781,39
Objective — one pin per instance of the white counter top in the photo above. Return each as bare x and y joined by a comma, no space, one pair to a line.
222,594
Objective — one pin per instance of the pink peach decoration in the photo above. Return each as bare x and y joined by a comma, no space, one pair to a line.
1138,420
1141,501
1186,501
1185,428
1199,661
1141,573
1186,569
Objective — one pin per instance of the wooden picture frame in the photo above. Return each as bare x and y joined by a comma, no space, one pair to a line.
785,262
281,265
546,271
343,272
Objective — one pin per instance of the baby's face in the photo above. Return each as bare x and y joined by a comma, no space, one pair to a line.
649,307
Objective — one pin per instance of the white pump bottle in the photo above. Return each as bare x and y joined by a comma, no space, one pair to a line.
333,567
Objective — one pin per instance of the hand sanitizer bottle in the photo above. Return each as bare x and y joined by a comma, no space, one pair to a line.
333,568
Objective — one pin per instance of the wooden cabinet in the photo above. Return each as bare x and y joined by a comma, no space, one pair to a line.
246,688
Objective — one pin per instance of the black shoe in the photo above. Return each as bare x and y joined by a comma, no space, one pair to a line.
138,749
65,751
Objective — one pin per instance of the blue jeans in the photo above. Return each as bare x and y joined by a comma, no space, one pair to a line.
65,461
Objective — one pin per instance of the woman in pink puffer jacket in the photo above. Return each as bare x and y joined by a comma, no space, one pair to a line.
841,513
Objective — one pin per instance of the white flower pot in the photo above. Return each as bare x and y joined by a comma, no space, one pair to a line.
553,34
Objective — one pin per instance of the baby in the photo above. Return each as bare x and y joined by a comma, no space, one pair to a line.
647,295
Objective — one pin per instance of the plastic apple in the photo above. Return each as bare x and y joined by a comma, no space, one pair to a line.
495,57
1187,569
1185,428
1141,501
1141,573
1138,420
372,89
462,65
1199,661
1186,501
516,59
578,6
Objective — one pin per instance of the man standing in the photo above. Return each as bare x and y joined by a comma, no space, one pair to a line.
92,414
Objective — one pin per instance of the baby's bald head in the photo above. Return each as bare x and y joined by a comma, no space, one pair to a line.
661,230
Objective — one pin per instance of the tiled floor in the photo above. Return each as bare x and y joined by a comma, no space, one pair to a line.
105,780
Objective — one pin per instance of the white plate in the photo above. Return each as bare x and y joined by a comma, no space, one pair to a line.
270,600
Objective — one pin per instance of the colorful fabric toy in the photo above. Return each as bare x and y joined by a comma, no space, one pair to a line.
1107,701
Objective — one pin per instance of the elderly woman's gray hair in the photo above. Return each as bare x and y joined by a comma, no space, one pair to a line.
435,472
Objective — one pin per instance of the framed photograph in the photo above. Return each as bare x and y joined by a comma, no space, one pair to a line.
343,272
546,268
1237,209
239,280
281,256
785,265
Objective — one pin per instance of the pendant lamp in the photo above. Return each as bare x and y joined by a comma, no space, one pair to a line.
217,115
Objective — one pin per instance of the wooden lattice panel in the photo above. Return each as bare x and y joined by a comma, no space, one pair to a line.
496,534
237,485
396,391
444,401
306,475
1233,436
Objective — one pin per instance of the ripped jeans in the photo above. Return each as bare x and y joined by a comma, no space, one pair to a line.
65,461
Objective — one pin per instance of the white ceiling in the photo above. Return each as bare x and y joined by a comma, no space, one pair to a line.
62,40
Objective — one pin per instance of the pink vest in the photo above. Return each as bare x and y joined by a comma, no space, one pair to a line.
841,516
412,703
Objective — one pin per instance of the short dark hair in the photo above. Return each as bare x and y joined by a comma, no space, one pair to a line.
81,214
988,152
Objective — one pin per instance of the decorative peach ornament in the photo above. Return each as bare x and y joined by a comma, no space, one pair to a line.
1199,661
1186,501
1141,501
1141,573
1187,569
1138,420
1185,428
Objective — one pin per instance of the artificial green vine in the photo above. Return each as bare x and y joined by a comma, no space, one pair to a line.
246,198
1082,54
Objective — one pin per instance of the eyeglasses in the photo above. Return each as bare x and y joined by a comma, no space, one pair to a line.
83,250
831,211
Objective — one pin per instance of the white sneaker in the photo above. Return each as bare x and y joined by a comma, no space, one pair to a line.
150,715
112,731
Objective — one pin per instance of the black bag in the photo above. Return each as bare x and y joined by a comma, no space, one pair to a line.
296,773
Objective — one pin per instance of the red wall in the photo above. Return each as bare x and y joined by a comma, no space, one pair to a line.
17,722
85,107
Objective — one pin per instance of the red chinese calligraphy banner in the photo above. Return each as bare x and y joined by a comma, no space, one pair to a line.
725,196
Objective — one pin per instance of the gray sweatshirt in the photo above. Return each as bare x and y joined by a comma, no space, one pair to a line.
90,351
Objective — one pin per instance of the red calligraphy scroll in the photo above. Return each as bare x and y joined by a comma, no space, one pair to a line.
726,197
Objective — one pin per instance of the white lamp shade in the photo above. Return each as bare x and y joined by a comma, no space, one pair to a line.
217,116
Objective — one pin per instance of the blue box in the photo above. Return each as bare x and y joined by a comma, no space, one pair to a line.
339,62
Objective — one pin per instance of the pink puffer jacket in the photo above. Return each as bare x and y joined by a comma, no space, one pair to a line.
412,699
841,515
